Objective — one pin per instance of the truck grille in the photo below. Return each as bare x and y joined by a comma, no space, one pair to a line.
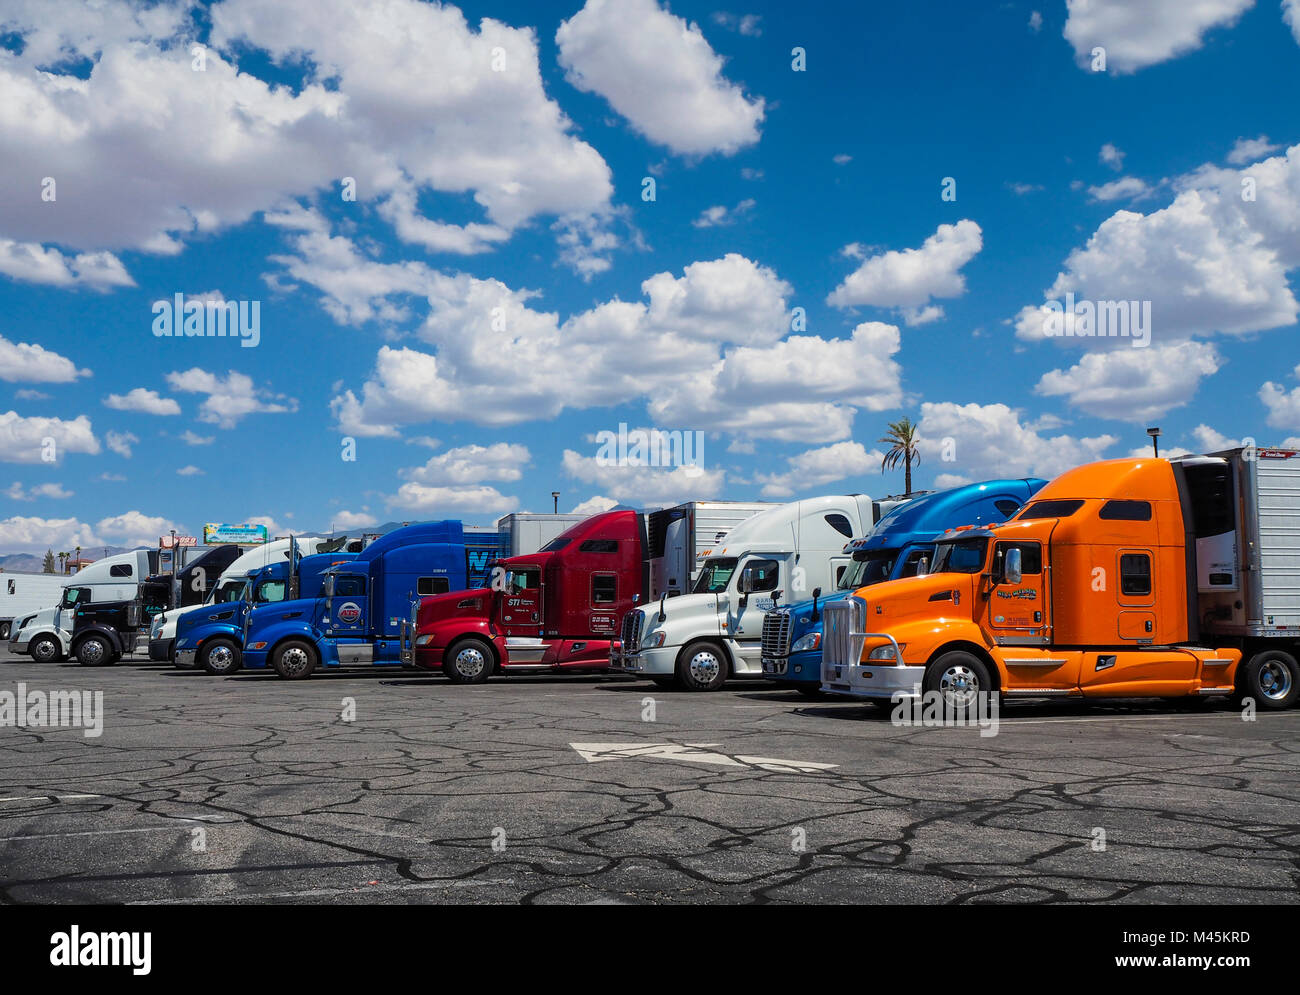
776,632
842,642
633,622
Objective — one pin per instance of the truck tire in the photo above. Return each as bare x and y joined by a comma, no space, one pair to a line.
294,659
1272,678
702,666
468,661
94,651
220,657
959,676
45,649
4,630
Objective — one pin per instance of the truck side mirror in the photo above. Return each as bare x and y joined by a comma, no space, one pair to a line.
329,585
923,566
746,583
1011,573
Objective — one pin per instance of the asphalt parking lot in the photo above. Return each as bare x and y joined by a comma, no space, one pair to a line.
251,789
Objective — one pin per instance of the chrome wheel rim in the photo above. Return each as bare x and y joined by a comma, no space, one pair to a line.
705,667
221,658
44,651
959,685
91,651
294,659
469,662
1275,680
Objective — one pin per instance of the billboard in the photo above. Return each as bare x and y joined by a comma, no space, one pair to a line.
165,542
247,535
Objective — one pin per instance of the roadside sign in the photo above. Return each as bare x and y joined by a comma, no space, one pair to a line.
165,542
217,534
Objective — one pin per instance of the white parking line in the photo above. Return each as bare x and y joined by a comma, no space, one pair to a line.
45,798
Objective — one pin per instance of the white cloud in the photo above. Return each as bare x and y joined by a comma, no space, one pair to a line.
842,159
1291,15
1209,440
1283,406
471,464
594,505
230,399
23,362
194,439
348,520
911,278
1020,189
990,441
190,470
659,73
1125,188
1111,156
120,442
467,500
1246,150
1035,22
1139,35
720,214
29,534
27,394
134,528
814,468
368,106
51,491
143,401
1210,262
1133,384
35,439
645,485
749,25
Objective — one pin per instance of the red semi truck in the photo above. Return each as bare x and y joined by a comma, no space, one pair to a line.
556,609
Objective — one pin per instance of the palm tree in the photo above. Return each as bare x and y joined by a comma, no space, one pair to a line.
901,439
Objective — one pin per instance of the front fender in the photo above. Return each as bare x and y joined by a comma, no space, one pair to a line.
924,638
107,631
443,633
261,642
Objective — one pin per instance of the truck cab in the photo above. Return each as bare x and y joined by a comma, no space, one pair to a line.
1091,591
696,641
102,632
901,545
556,609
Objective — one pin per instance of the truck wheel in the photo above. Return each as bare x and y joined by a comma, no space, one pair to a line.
219,657
702,667
468,661
45,649
94,651
958,676
294,659
1272,678
4,630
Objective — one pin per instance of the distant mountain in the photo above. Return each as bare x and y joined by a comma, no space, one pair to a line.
31,563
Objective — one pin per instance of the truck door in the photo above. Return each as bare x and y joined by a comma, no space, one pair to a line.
350,615
521,608
1018,613
746,612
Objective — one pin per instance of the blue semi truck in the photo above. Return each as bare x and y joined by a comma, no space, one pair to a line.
897,547
212,637
363,614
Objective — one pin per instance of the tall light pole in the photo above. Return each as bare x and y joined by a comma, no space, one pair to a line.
1155,440
555,497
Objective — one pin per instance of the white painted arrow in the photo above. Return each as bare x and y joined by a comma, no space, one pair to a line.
596,752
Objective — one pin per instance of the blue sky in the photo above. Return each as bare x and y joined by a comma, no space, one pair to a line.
499,291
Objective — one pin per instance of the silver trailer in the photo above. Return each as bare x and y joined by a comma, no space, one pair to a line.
24,593
524,532
681,536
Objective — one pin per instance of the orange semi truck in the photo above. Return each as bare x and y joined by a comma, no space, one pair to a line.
1124,578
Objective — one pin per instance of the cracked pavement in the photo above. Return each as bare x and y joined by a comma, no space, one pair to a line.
251,789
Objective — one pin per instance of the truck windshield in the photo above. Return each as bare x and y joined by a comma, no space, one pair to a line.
715,575
965,556
867,569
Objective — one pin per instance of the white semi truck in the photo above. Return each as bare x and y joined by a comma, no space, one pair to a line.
42,633
24,593
679,535
696,641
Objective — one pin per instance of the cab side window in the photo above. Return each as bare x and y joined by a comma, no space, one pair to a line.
762,574
120,570
1031,557
1134,574
604,589
350,586
432,585
270,590
913,561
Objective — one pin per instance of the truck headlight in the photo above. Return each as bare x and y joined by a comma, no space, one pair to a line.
805,643
885,652
424,640
657,639
155,628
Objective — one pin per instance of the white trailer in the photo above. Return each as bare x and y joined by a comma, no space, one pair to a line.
524,532
24,593
681,536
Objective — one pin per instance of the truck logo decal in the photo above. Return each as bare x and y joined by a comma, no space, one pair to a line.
1025,594
348,613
